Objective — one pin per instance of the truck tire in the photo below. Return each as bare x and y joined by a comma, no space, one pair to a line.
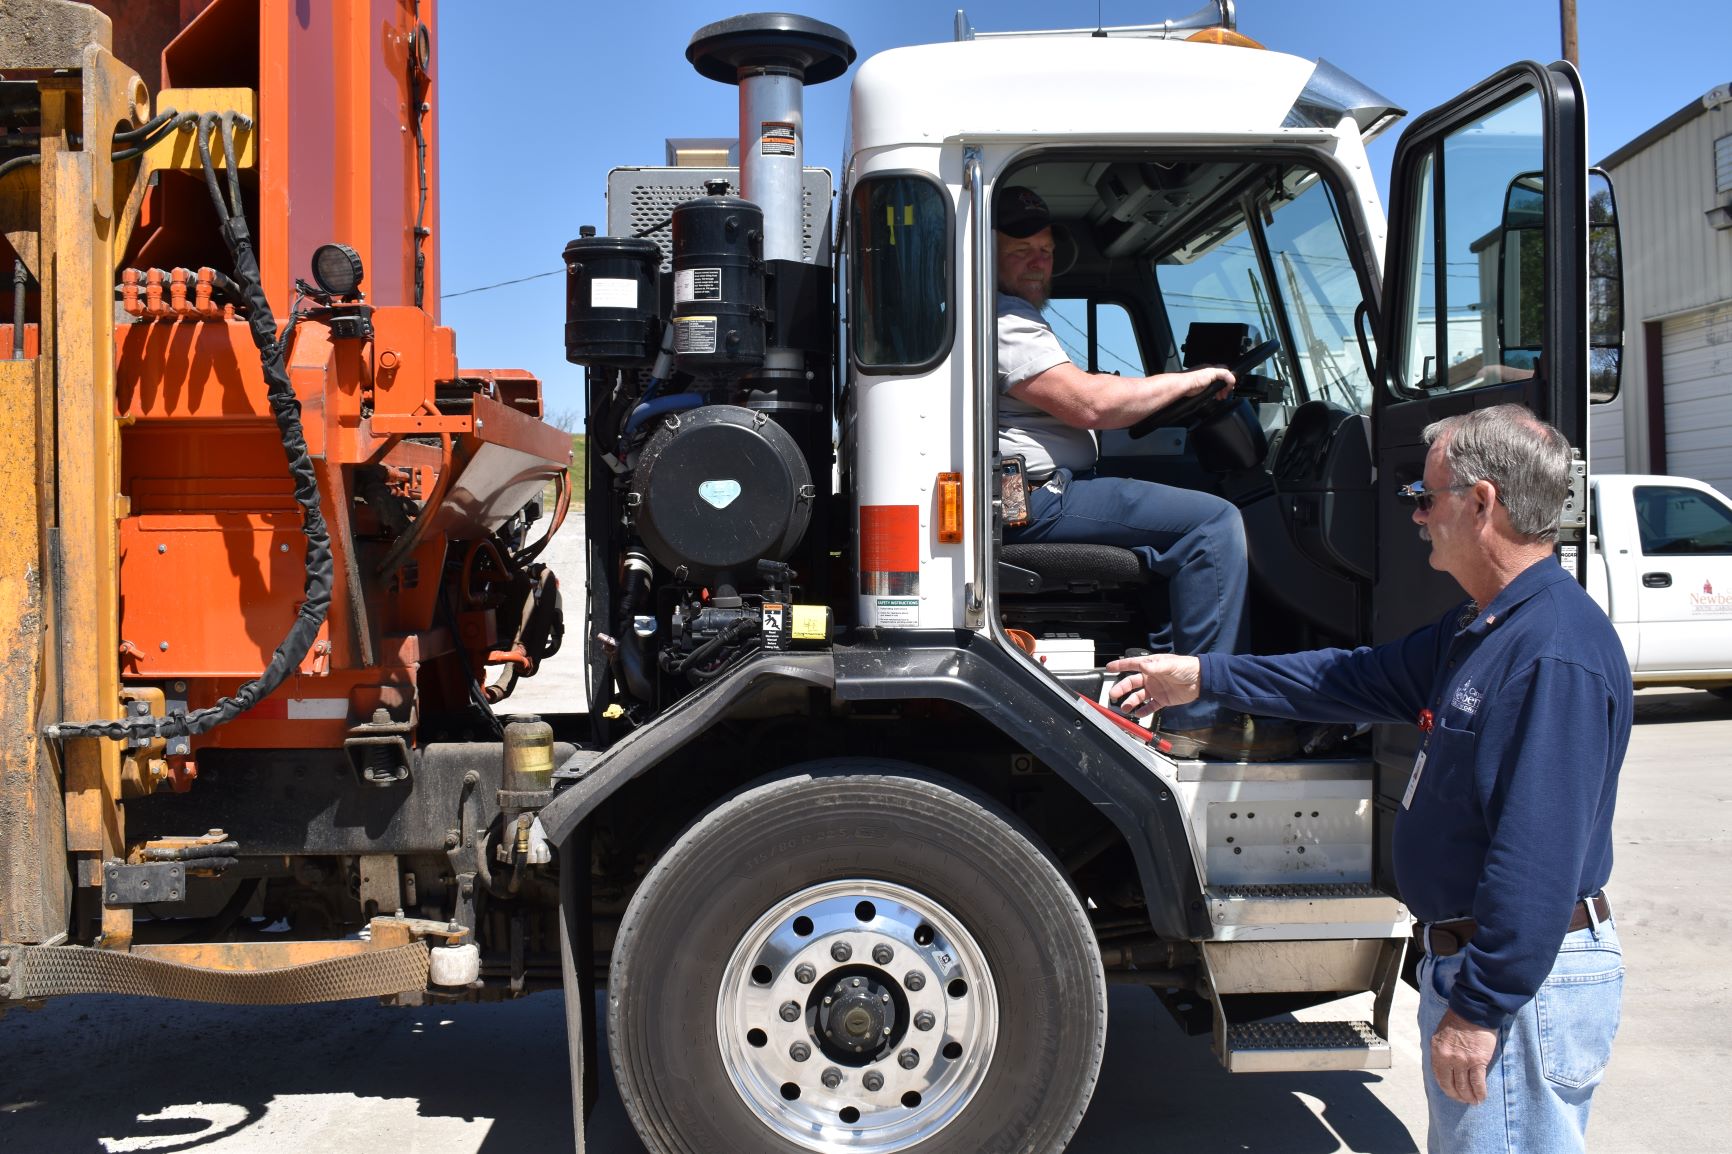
860,956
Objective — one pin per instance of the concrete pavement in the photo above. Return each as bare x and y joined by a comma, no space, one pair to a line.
118,1075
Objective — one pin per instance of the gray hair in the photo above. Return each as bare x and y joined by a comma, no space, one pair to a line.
1528,460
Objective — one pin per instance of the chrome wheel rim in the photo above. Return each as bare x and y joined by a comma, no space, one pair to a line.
857,1016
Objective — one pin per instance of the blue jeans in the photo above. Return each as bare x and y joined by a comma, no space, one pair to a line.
1196,541
1549,1057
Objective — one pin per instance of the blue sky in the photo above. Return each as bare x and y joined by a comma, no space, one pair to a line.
540,98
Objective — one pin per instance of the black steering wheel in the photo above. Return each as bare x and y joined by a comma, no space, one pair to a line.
1201,408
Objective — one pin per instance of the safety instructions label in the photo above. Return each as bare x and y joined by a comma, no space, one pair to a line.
776,138
612,293
694,335
899,612
697,284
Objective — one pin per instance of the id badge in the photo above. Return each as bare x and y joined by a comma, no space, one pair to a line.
1413,781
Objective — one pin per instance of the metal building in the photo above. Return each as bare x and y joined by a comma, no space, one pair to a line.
1674,194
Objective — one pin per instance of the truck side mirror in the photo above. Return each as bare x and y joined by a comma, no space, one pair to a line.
1605,290
1521,273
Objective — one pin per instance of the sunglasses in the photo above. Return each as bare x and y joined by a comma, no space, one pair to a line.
1423,497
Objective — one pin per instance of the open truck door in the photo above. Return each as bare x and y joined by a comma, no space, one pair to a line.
1485,302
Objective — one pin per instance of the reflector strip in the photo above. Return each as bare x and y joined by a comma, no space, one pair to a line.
889,549
301,709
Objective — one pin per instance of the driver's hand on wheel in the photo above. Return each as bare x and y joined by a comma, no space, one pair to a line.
1155,682
1206,378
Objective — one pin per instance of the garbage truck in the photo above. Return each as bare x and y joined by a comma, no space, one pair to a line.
844,839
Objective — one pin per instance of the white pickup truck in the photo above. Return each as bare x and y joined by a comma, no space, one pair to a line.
1660,565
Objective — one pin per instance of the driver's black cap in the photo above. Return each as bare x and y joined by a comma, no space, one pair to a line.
1021,212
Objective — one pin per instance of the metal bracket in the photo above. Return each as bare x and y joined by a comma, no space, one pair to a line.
378,750
152,883
1575,511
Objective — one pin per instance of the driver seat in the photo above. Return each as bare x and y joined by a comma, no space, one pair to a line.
1101,591
1068,568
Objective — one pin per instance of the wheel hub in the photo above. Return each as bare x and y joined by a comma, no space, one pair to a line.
899,1024
857,1015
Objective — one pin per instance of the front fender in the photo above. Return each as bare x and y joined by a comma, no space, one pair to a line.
960,667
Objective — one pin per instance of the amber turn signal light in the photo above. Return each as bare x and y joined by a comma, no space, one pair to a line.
950,508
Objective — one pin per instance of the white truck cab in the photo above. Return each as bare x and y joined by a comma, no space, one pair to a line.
802,611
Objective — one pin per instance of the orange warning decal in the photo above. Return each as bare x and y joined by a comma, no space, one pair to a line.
889,549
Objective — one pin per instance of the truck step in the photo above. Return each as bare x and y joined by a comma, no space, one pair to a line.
1304,910
1266,1047
51,971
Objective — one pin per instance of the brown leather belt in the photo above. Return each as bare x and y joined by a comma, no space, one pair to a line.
1442,939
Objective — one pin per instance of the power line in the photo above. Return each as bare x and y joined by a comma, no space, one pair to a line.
500,284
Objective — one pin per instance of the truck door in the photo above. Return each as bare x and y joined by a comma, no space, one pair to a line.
1684,599
1485,301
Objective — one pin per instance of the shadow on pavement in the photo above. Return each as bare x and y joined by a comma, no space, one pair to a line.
82,1074
1668,705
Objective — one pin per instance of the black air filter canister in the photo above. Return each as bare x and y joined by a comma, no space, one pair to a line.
611,300
718,263
719,488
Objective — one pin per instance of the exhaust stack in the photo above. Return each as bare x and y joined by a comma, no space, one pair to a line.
772,56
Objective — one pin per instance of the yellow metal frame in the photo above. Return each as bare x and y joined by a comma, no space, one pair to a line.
62,627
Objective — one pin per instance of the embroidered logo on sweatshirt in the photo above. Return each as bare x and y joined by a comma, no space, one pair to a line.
1467,698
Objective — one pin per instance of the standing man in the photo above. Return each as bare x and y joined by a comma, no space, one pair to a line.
1503,842
1048,410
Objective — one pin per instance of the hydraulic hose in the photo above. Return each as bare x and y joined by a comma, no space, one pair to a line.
668,404
286,409
635,589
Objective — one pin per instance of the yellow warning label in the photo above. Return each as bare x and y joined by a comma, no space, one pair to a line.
810,623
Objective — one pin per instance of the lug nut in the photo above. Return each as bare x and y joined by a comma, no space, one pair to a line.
799,1051
856,983
874,1081
790,1011
882,954
841,951
924,1020
832,1077
915,980
805,973
908,1059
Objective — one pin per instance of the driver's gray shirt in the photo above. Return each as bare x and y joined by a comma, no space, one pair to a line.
1026,349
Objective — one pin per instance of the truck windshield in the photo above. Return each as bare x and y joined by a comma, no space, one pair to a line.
1223,277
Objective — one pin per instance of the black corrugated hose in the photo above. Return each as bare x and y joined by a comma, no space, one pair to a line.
287,410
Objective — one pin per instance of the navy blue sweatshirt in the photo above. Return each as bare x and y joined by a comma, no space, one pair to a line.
1510,821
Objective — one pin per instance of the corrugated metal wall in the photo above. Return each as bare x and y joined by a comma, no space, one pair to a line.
1698,372
1678,271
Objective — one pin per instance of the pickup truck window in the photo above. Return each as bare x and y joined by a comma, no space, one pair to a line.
1679,522
899,232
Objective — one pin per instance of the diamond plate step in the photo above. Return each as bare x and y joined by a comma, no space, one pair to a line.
1305,910
53,971
1264,1047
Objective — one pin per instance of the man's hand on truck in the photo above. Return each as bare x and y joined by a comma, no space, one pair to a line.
1153,682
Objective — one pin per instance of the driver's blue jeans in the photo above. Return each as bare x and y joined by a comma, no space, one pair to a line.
1195,541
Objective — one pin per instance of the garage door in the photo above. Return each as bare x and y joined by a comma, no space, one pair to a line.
1697,352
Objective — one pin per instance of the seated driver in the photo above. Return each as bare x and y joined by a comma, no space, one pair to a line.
1048,410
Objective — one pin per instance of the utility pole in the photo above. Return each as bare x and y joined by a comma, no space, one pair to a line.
1567,13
